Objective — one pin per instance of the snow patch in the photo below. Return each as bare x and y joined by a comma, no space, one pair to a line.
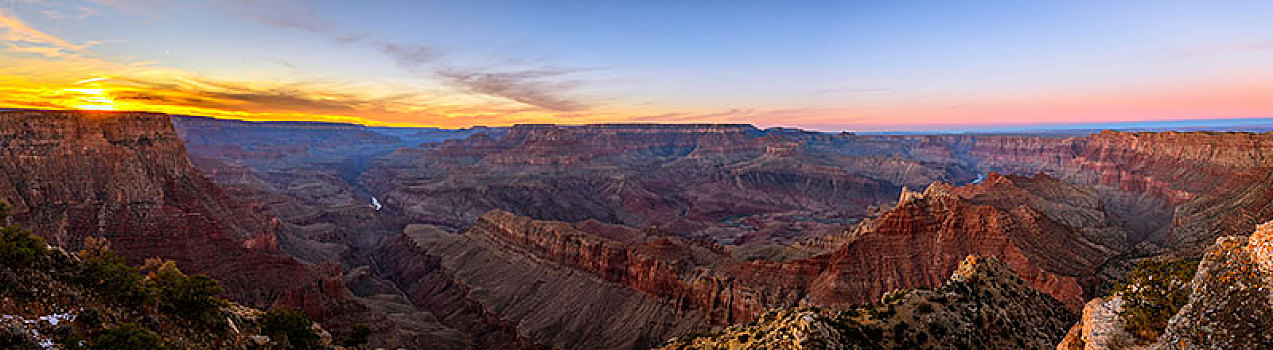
33,325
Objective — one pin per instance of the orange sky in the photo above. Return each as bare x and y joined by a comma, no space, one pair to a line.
293,62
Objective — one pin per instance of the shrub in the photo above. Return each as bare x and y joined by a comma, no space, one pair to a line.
358,337
108,274
18,247
126,337
193,298
289,327
1154,291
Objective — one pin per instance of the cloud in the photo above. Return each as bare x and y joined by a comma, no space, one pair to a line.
732,113
136,7
82,13
536,87
285,14
301,16
539,87
49,72
406,55
20,37
325,98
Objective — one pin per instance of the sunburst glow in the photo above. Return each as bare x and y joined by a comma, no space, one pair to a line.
94,99
814,66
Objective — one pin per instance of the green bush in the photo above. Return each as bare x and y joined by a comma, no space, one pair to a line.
1153,292
107,273
290,328
18,247
193,298
126,337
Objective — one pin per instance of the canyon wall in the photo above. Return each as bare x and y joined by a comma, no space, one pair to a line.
684,228
125,177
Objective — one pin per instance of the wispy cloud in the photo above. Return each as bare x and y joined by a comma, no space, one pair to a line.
728,114
47,71
81,13
406,55
55,73
538,87
136,7
18,36
301,16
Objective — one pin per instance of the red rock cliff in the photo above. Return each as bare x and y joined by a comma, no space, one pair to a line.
126,177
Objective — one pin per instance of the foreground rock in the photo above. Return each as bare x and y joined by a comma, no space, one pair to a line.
1230,304
51,299
983,306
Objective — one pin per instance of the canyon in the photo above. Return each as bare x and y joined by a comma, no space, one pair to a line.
618,235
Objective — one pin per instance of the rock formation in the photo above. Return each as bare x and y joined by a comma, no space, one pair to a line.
726,181
983,305
125,177
489,283
924,236
682,228
1230,304
649,277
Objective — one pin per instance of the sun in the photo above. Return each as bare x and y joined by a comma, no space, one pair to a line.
93,97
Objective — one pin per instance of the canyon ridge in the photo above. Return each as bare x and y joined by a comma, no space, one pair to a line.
639,236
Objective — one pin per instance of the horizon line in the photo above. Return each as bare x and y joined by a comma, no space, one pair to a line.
1192,124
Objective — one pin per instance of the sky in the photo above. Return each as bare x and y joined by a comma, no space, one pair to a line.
824,65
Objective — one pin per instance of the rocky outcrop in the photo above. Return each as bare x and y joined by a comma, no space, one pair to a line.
62,168
466,280
1100,328
983,305
924,237
125,177
1180,189
492,288
1229,306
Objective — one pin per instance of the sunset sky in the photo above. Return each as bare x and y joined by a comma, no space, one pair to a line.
834,65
